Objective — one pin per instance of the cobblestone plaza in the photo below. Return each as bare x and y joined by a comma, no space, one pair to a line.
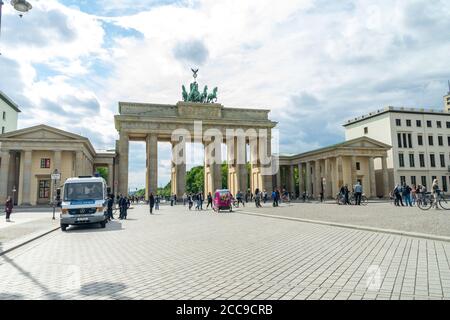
181,254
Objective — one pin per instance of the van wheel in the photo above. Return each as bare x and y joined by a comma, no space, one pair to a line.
103,224
63,227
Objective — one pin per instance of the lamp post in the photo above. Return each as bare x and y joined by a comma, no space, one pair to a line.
56,176
22,6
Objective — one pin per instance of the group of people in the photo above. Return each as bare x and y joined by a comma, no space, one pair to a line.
344,193
405,195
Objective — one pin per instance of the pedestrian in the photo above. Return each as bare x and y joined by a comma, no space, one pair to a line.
358,193
151,201
240,199
406,193
265,196
346,195
8,208
184,199
109,207
201,199
321,196
398,195
175,199
258,198
435,190
190,202
413,194
209,197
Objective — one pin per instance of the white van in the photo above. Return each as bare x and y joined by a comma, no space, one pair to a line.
83,201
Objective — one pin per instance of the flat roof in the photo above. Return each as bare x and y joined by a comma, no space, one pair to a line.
396,110
9,102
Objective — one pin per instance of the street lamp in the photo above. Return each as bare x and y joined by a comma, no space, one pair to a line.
22,6
56,176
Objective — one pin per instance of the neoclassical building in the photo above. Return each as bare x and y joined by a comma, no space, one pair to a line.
29,156
327,169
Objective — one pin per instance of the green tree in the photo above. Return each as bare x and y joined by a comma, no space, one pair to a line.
224,171
103,172
195,180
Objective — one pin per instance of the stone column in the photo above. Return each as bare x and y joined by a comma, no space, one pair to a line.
79,163
339,173
308,178
243,171
385,176
57,160
301,177
123,162
278,177
26,182
372,179
233,168
110,176
254,164
152,163
353,171
179,168
317,179
217,166
4,172
327,175
291,179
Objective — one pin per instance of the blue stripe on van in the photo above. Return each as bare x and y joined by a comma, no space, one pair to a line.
75,202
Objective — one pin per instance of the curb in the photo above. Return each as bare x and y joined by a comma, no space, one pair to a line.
33,238
352,226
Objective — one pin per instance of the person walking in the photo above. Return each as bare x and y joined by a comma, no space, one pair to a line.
274,198
435,191
413,194
151,202
264,195
239,198
398,195
175,199
8,208
157,201
406,193
190,202
120,203
209,197
258,198
184,199
358,193
109,207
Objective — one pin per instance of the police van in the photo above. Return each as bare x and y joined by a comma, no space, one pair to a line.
84,201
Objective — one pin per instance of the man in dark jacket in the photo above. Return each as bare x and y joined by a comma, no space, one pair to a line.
8,208
110,204
151,201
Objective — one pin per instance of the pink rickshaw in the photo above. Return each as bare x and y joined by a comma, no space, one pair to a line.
222,200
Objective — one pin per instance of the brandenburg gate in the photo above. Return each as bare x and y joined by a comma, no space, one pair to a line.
198,119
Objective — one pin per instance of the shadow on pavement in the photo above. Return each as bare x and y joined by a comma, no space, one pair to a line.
111,289
110,226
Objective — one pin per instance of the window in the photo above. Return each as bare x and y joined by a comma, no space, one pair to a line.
432,178
448,124
442,160
358,166
366,130
424,181
4,115
418,123
408,123
398,122
430,140
3,130
401,160
448,141
412,163
420,140
439,124
444,183
429,124
399,140
409,140
44,189
432,160
422,160
402,179
45,163
405,145
440,140
413,180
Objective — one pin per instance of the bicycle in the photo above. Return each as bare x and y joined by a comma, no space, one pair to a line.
427,201
364,199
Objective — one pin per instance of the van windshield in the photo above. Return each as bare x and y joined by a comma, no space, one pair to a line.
83,191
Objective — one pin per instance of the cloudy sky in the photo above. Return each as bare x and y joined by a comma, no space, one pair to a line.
314,63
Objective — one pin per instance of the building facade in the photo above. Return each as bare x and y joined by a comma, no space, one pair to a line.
9,113
420,140
29,156
327,169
